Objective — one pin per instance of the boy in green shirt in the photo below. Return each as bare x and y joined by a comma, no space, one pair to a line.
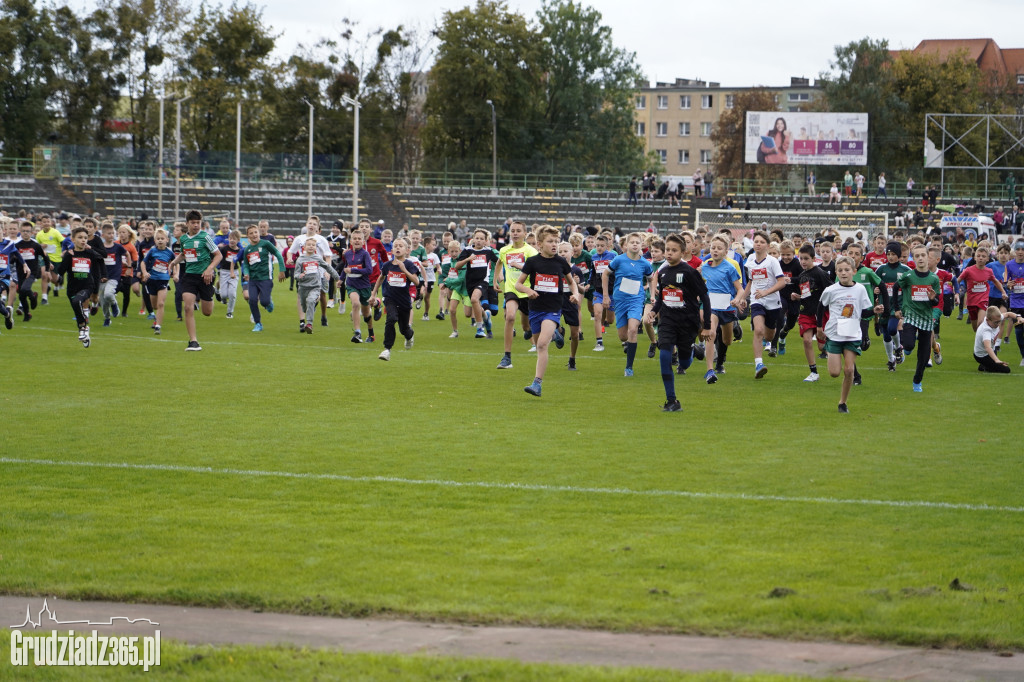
256,271
201,256
920,289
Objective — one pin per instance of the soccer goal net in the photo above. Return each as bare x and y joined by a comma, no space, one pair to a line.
804,223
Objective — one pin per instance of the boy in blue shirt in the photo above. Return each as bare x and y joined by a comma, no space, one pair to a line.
601,259
631,273
156,275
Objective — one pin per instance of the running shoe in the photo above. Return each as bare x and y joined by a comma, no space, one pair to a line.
156,329
571,365
898,354
323,321
811,378
193,345
629,372
26,317
918,388
377,313
270,307
8,317
46,300
823,355
330,303
843,409
309,327
938,353
720,369
302,326
425,318
384,355
439,316
960,316
772,352
710,377
33,300
151,316
487,321
891,365
672,406
533,389
760,370
341,309
230,316
480,333
650,351
419,303
527,334
737,331
782,346
357,338
115,310
258,327
106,321
506,362
856,380
453,335
599,347
371,338
559,339
84,337
408,342
533,349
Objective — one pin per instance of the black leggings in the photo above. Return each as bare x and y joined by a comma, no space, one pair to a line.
25,292
396,315
911,335
987,364
78,299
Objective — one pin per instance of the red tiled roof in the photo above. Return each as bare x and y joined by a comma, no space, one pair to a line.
982,51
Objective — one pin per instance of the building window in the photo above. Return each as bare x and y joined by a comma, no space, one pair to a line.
662,155
705,129
684,129
641,129
705,101
661,129
684,156
684,101
799,97
729,101
705,156
663,101
1020,79
641,101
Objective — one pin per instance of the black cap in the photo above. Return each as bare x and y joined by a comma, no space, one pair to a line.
893,247
339,223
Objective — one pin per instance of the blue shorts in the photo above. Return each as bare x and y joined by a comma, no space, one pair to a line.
537,319
629,308
5,283
726,316
599,300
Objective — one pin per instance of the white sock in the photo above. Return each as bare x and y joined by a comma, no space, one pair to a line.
888,351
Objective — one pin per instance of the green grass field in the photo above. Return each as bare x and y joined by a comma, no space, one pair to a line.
301,474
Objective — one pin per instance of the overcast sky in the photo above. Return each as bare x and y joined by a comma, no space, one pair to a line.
734,42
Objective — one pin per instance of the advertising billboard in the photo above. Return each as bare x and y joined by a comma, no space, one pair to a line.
813,138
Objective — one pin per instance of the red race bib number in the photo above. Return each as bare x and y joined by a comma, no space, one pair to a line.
80,265
546,284
516,260
160,266
673,298
310,267
190,255
254,257
919,292
478,261
397,279
805,289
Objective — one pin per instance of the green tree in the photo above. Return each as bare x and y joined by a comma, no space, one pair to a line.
485,53
146,34
28,67
727,135
861,79
588,91
226,59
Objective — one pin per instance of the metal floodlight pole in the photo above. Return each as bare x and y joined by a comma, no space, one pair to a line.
354,103
238,165
309,208
494,146
160,166
177,153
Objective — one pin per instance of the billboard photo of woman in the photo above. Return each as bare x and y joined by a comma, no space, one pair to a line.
775,144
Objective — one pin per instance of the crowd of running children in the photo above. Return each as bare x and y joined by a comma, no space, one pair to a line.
687,292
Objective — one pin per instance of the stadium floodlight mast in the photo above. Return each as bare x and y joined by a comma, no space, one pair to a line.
238,165
309,208
494,146
160,163
354,103
177,153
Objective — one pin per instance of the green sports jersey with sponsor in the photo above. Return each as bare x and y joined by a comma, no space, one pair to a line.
197,252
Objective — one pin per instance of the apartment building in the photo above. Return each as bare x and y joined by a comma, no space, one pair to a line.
676,119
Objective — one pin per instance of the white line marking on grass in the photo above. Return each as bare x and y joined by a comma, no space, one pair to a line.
532,487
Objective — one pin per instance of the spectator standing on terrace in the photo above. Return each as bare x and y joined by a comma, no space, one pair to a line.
709,179
848,183
1011,186
811,179
462,232
632,192
698,183
910,187
859,179
881,186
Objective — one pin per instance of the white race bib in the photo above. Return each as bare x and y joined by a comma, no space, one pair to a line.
109,259
27,254
546,284
848,327
979,287
254,257
191,256
310,267
720,301
160,266
478,261
629,286
396,279
79,265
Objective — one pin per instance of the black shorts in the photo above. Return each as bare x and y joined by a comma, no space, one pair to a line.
771,317
523,302
673,333
482,287
430,287
155,286
193,284
571,315
997,302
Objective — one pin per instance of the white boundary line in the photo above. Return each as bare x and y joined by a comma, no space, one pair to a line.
531,487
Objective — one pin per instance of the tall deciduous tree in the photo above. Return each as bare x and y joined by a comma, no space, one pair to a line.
589,89
28,68
728,137
485,53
